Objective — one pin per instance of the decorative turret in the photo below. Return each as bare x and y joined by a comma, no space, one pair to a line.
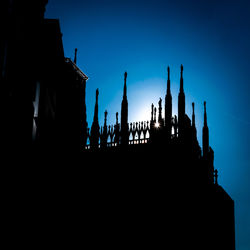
205,135
168,107
181,106
94,137
124,115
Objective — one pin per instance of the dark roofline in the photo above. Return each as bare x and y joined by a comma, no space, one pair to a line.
68,60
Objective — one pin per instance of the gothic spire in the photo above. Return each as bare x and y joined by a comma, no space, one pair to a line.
168,107
105,118
194,131
205,134
96,106
124,114
181,80
94,138
160,120
104,131
125,85
152,112
181,106
205,114
168,82
75,55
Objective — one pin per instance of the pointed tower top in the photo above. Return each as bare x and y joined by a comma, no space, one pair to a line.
168,82
152,112
205,115
181,81
75,55
125,85
105,117
96,95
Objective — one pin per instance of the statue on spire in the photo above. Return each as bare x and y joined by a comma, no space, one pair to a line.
181,71
105,117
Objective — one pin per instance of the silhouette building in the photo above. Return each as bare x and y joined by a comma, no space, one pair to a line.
198,209
173,196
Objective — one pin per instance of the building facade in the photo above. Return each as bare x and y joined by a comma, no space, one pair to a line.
184,190
153,181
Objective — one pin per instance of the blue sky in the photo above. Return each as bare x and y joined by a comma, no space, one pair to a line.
210,38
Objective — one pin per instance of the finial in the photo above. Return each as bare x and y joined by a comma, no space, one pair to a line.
125,85
152,112
160,102
75,55
181,80
97,93
181,70
193,107
205,114
105,117
125,76
168,82
160,110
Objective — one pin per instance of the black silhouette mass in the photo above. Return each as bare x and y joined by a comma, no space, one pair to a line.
180,204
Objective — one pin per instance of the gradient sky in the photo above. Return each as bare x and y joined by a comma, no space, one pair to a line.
212,41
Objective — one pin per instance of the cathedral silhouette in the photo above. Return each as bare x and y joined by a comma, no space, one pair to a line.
155,187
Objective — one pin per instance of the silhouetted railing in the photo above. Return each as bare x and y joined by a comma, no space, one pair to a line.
138,133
